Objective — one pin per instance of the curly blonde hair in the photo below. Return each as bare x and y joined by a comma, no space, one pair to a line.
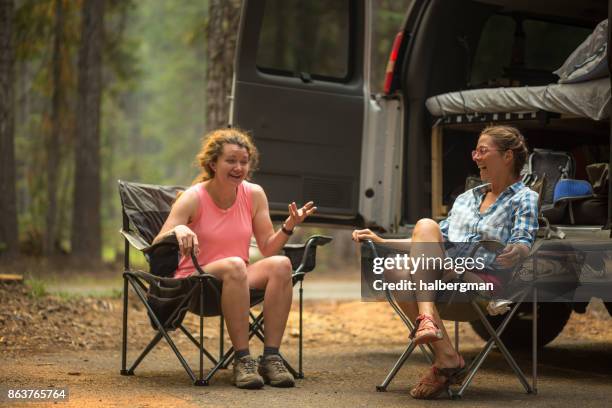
212,148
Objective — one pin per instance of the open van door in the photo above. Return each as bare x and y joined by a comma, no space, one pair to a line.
299,90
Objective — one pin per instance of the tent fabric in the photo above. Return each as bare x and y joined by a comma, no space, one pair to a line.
589,99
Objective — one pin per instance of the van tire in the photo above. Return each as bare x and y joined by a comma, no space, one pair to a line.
552,318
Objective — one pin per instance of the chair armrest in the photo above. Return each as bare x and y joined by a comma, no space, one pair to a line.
168,240
164,249
135,240
303,256
140,244
370,244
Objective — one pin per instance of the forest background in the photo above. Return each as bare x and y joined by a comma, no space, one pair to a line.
92,91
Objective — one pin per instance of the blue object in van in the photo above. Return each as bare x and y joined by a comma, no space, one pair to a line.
570,189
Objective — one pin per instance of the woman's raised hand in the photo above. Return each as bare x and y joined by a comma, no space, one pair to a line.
362,235
297,216
187,240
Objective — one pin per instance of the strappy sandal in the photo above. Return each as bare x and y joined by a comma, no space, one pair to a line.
425,330
454,375
433,381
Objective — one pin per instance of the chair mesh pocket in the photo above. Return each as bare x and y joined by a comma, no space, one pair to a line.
164,297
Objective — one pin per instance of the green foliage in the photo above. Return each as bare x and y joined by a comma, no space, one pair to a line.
154,117
152,114
34,23
38,288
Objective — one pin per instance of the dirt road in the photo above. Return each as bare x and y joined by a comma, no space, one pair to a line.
337,376
349,348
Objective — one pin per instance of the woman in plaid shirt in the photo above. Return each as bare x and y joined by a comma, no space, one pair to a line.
503,209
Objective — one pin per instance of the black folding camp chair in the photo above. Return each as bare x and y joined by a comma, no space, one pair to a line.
477,311
145,208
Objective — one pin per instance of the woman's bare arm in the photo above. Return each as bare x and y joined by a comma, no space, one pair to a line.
181,213
270,242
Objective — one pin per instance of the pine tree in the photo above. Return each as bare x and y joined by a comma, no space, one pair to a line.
223,18
8,197
86,223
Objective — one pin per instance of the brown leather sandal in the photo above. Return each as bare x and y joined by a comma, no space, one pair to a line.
454,375
433,384
425,330
438,380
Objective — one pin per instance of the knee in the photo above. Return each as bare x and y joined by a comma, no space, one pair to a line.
281,268
426,226
235,269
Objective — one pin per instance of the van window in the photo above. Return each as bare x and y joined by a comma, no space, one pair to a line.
548,45
523,51
310,37
494,50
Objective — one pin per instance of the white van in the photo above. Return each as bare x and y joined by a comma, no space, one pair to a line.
384,160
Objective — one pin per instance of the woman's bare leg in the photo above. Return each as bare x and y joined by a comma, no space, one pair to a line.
234,298
426,231
274,275
425,236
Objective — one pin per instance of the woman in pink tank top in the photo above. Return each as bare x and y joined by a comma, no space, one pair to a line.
216,218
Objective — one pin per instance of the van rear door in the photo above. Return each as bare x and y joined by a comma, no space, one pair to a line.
299,89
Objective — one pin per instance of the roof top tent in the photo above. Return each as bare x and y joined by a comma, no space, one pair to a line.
442,57
299,90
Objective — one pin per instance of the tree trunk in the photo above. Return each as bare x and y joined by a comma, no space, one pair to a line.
53,140
86,224
223,17
8,198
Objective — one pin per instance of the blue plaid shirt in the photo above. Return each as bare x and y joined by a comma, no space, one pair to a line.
511,219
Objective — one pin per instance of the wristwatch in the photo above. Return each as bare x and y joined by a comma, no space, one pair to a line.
285,230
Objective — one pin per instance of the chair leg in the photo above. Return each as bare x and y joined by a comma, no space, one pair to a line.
163,332
457,336
396,367
534,342
502,347
300,339
223,363
477,362
426,349
124,336
257,324
221,334
197,344
200,380
475,366
158,336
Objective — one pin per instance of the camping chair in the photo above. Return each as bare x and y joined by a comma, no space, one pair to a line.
145,207
479,311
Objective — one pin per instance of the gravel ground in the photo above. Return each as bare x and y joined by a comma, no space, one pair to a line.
349,347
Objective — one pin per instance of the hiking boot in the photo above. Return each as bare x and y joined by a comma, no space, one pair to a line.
245,373
273,370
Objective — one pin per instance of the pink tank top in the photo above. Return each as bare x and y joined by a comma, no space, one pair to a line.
221,233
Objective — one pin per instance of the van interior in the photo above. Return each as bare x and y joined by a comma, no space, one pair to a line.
491,44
